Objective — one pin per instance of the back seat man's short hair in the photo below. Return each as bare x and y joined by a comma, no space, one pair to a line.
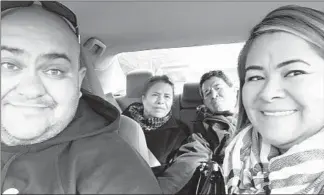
214,73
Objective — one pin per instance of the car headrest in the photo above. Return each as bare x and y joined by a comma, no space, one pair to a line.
135,81
190,96
90,82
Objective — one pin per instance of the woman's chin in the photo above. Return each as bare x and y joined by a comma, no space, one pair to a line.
159,115
280,143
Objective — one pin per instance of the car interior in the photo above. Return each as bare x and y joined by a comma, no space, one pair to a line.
109,28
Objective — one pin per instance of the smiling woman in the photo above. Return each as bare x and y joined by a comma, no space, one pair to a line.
281,118
288,89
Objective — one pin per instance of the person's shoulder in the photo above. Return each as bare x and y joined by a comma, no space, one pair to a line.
127,111
107,142
116,163
134,104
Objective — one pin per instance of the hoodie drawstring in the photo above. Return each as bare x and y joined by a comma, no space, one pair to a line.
6,167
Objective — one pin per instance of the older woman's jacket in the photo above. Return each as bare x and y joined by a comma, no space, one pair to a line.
178,162
166,139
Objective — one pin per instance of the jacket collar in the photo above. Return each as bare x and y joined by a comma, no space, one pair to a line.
171,123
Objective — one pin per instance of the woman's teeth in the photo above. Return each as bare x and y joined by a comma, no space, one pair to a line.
279,113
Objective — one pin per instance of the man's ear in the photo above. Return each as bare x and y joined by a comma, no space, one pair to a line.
82,73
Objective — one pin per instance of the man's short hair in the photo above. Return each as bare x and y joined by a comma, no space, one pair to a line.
214,73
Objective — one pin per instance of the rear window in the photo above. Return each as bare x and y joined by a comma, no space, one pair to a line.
182,65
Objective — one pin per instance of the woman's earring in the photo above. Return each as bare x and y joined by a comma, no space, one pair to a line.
80,94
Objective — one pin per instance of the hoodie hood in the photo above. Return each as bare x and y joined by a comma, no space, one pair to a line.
85,123
82,159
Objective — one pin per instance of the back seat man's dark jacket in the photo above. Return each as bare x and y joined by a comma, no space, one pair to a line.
88,157
207,143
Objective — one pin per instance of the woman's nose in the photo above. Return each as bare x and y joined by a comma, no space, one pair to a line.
272,90
160,100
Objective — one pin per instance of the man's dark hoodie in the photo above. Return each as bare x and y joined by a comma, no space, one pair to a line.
88,157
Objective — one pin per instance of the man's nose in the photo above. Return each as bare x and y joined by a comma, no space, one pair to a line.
214,93
31,86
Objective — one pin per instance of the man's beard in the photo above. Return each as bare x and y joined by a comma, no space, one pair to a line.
55,126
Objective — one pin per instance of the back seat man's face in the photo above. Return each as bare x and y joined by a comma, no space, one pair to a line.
218,96
40,76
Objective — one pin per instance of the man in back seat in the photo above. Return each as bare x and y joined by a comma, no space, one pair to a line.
56,139
216,119
214,126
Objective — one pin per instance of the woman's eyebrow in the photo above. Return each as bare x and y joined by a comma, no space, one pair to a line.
280,65
285,63
253,67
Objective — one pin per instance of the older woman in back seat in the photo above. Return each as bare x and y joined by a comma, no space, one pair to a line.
164,134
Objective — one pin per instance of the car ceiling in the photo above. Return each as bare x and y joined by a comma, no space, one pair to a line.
129,25
139,25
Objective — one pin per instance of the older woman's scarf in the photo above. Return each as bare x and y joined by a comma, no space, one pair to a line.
253,166
136,111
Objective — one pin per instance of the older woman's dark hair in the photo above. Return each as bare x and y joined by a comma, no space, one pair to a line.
157,79
214,73
306,23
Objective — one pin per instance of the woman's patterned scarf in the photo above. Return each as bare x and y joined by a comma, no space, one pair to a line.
252,166
137,113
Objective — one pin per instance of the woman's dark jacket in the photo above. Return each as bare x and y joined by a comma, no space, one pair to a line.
178,162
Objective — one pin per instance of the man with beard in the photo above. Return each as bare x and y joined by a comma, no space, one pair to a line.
55,137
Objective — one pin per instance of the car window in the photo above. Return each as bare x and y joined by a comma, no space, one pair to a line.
182,65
